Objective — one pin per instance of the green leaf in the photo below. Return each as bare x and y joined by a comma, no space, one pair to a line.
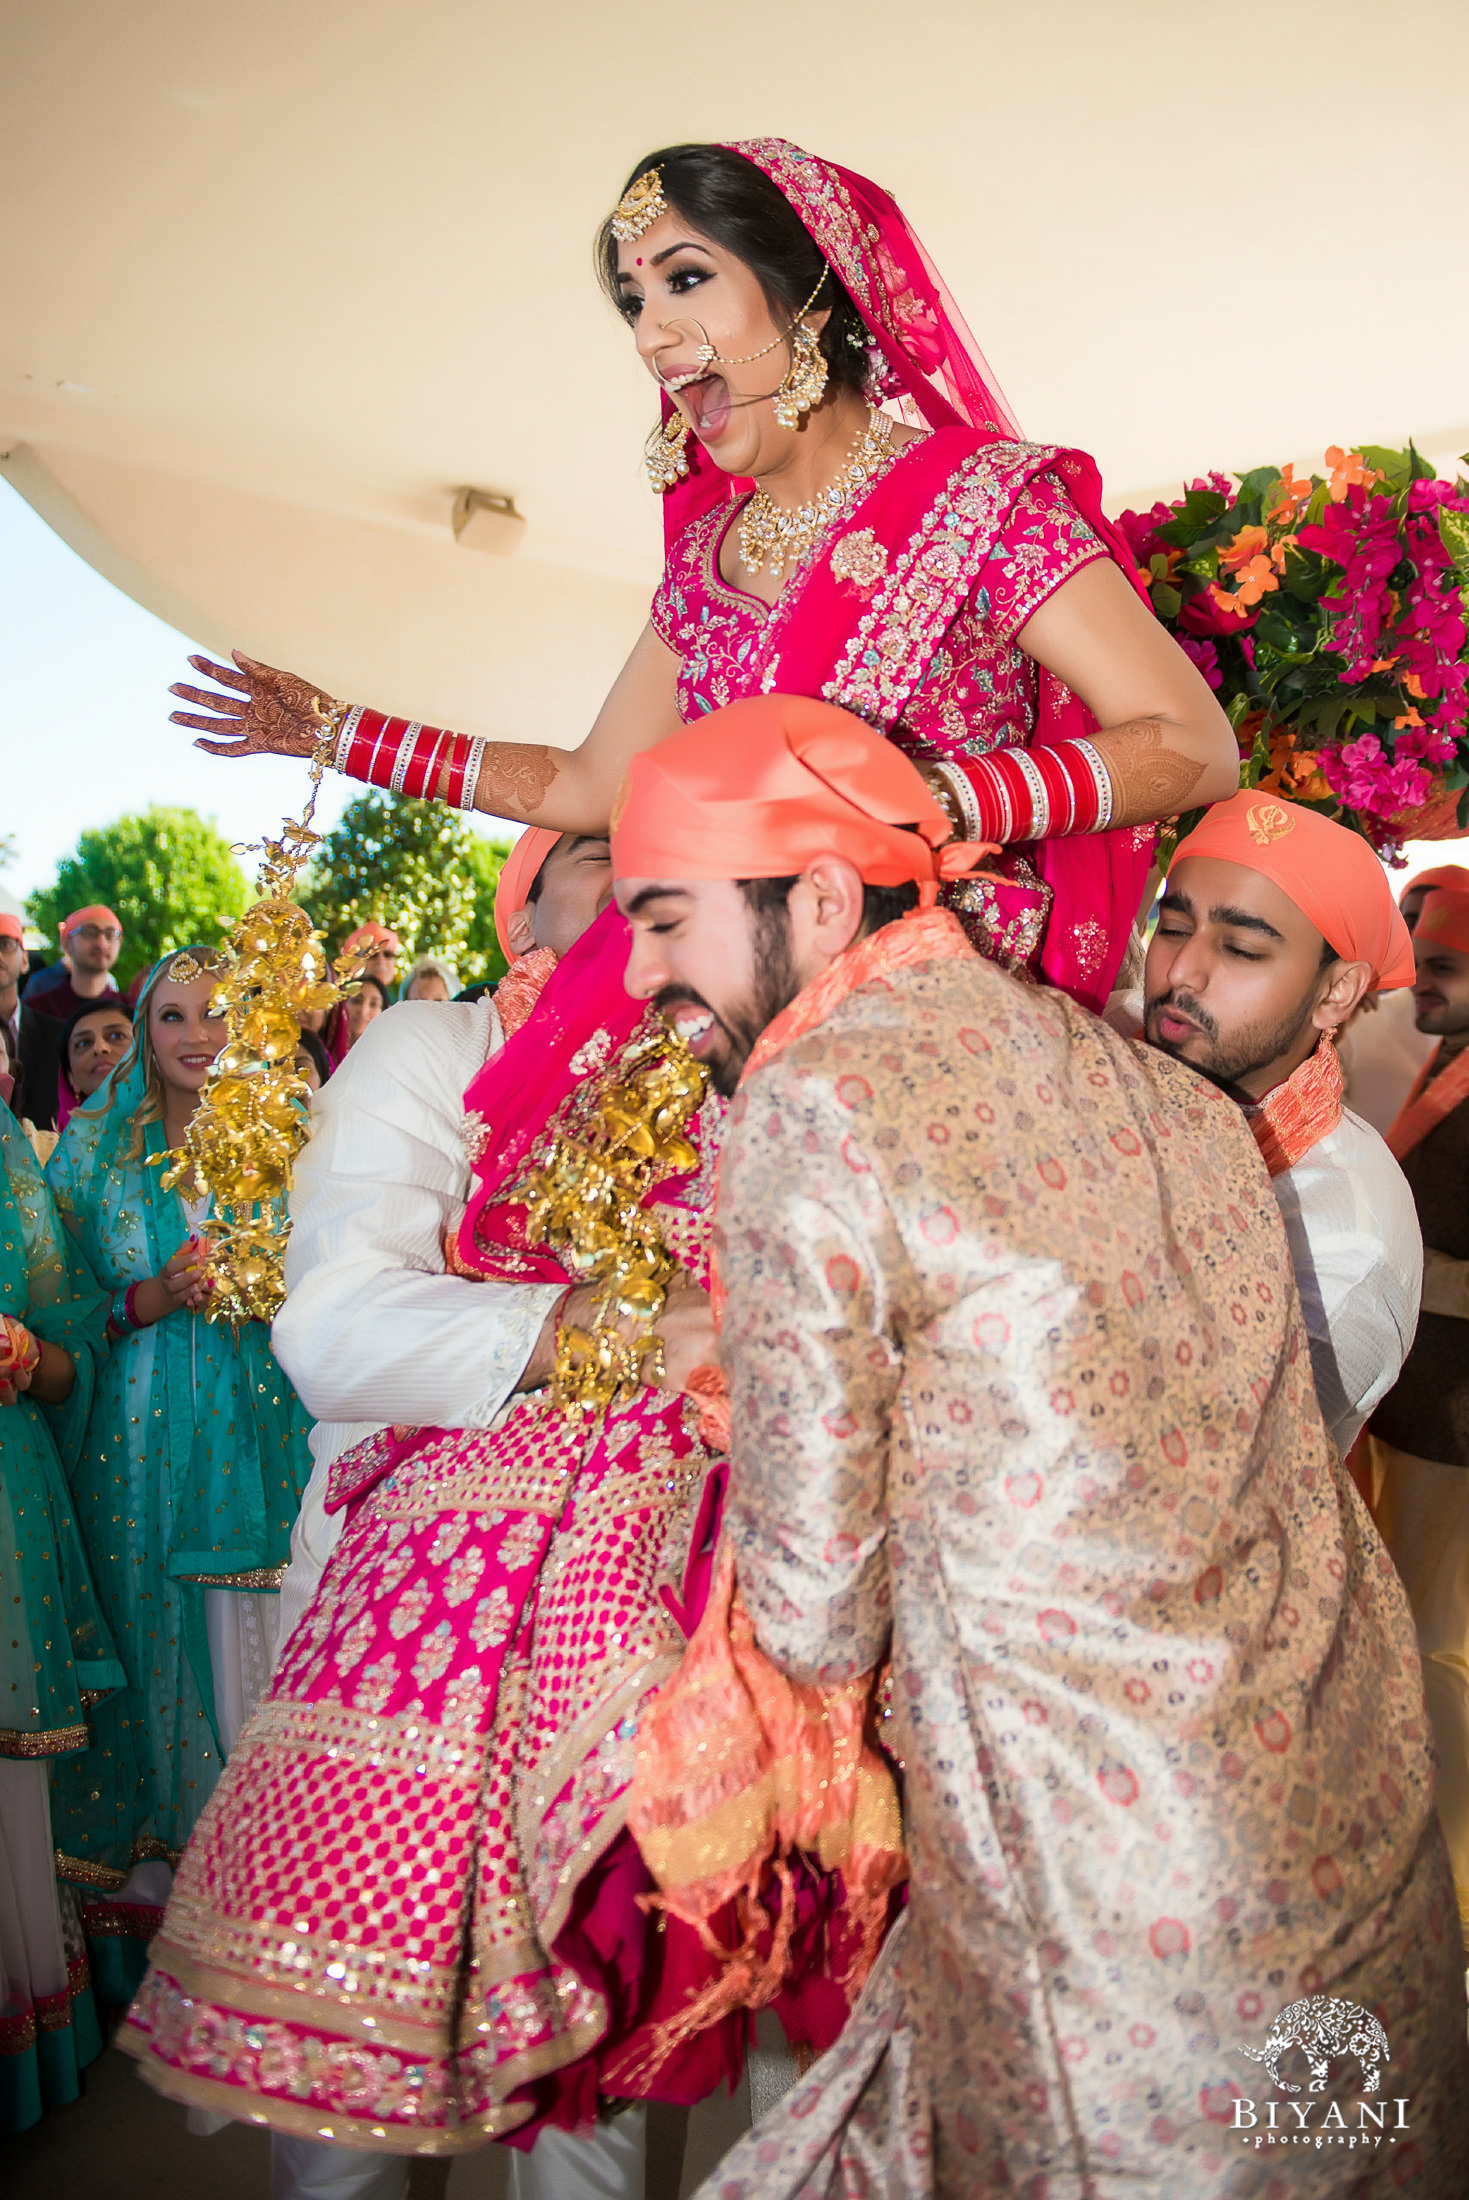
1258,482
1167,602
1307,575
1453,528
1201,511
1396,467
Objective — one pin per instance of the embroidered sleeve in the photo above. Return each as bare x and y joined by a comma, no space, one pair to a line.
813,1375
1045,541
662,614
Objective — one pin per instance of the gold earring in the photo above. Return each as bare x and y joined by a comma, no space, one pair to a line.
664,454
806,380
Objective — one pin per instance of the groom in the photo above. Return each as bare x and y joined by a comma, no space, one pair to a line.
1022,1402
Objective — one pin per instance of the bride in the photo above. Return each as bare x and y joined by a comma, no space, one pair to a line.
956,586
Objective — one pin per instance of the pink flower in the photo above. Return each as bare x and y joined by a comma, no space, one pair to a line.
1139,530
1212,612
1363,777
1205,656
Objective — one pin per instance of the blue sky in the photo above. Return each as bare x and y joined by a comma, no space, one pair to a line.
84,704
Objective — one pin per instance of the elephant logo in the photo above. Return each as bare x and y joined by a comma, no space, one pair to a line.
1323,2026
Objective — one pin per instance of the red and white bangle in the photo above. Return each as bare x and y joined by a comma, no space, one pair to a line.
408,758
1032,794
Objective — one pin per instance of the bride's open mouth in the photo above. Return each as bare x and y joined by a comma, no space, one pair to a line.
706,401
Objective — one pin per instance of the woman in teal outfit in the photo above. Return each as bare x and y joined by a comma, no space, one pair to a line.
56,1657
191,1477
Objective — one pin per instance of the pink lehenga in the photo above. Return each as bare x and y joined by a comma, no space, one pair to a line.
409,1918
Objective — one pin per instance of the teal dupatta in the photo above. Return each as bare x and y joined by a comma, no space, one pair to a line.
191,1477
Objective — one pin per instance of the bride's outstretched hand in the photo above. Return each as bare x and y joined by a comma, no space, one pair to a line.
266,713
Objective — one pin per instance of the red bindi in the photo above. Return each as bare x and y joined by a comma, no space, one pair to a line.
640,263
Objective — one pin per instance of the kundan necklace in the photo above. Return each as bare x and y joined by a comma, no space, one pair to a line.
769,535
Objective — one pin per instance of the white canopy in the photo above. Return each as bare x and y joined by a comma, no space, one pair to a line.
284,275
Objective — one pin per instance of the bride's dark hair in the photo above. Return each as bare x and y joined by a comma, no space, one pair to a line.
735,204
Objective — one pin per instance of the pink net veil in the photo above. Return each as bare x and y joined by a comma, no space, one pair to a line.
920,348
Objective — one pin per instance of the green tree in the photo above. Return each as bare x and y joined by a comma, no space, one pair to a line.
169,875
420,868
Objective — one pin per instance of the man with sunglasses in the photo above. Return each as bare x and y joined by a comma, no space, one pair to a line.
91,941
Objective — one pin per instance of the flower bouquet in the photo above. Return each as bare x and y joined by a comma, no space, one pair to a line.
1329,615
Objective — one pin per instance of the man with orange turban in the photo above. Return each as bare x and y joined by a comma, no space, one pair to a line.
1020,1401
1420,1432
1274,926
1384,1050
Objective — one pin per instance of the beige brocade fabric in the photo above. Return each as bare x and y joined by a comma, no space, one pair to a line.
1019,1380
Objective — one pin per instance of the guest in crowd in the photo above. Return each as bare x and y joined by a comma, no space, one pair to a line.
362,1006
313,1063
1021,1406
95,1041
430,979
1274,926
382,948
1383,1050
91,941
189,1481
1420,1450
56,1656
12,970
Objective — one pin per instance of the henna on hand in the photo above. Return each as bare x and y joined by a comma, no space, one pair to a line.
514,777
271,713
1149,781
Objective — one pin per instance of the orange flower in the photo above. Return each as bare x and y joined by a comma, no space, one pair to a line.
1288,494
1294,772
1255,580
1414,686
1348,470
1246,545
1409,718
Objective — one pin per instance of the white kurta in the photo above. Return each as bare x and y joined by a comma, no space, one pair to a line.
1358,1255
374,1331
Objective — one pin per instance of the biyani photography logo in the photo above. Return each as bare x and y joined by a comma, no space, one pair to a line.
1322,2026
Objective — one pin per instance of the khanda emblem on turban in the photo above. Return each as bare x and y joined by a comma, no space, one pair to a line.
1267,822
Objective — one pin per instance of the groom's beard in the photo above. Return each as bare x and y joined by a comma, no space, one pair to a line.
738,1024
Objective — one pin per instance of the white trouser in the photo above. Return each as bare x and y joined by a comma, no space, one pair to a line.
318,2169
606,2164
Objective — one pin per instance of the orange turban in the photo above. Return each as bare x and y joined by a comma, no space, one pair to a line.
764,787
1445,921
373,934
94,913
518,874
1452,875
11,927
1329,872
